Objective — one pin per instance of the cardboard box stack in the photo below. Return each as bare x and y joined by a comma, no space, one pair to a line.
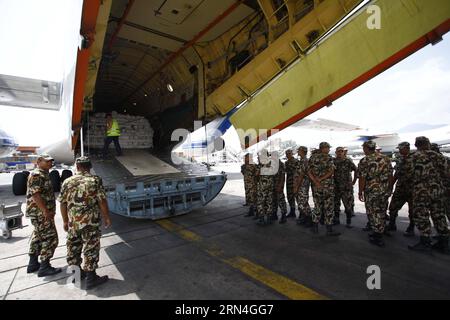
136,132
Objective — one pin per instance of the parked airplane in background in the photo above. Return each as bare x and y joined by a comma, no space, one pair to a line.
388,142
7,144
312,131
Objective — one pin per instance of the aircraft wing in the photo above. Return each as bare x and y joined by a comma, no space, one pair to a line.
325,125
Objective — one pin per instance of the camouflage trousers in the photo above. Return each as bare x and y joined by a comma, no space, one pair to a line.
44,240
426,208
86,241
447,205
279,202
346,195
302,198
323,204
376,207
398,200
250,192
290,190
265,198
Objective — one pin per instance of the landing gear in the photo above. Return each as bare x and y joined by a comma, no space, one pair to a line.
55,179
6,234
19,184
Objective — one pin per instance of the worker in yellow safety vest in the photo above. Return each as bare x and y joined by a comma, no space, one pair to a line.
112,135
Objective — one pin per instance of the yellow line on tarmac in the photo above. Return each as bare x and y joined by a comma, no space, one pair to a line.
173,227
277,282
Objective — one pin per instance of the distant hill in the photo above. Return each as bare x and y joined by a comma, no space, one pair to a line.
415,127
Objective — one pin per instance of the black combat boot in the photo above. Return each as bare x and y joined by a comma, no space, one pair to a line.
332,233
348,221
322,220
424,245
274,215
368,227
308,222
251,212
34,264
336,220
301,217
283,218
46,269
93,280
441,245
391,226
377,239
315,228
410,230
291,213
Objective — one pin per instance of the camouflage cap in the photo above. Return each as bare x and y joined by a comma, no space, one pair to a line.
402,145
45,156
369,144
422,140
324,145
435,147
338,149
82,160
302,148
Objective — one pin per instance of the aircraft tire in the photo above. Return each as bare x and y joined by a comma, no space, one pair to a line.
55,179
66,174
19,184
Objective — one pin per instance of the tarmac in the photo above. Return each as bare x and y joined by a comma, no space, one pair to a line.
217,253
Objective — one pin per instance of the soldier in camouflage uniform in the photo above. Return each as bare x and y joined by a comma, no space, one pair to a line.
291,165
403,189
41,210
435,148
345,152
83,207
343,185
279,198
375,187
320,171
430,171
314,153
302,184
265,188
248,169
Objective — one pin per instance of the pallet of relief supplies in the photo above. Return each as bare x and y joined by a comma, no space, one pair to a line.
136,132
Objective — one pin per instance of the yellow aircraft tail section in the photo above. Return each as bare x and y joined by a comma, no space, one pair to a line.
348,58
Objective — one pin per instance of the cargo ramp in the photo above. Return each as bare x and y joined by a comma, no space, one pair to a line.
140,185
